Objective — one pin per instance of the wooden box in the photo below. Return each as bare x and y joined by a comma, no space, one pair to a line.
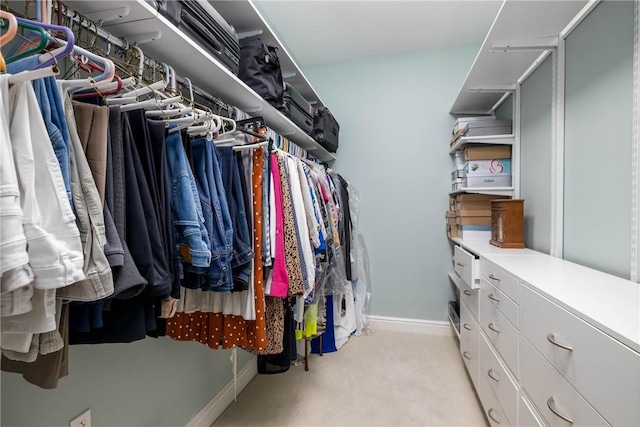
507,223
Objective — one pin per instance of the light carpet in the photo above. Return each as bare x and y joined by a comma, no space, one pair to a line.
383,379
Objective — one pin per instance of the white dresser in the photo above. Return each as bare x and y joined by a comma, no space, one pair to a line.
547,341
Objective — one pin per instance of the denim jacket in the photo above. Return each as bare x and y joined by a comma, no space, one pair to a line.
192,239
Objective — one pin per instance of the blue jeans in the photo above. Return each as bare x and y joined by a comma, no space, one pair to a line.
218,276
192,239
242,253
50,102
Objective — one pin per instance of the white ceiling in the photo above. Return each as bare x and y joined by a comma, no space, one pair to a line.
322,31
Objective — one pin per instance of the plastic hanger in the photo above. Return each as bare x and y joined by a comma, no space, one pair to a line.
9,34
46,59
39,73
42,44
107,66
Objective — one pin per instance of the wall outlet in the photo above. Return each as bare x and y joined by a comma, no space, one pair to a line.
82,420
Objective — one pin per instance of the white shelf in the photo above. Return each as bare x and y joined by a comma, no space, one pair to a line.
490,139
190,60
245,17
516,22
497,191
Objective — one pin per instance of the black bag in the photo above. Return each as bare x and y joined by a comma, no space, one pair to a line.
260,70
326,129
298,109
200,21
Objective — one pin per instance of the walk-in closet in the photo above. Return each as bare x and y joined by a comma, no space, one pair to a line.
319,213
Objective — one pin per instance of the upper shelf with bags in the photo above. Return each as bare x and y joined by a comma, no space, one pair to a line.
173,34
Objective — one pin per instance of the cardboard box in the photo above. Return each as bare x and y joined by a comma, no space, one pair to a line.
476,197
479,181
474,212
487,152
474,220
487,167
473,205
453,231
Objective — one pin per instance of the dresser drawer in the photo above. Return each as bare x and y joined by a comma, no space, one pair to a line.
526,414
558,402
471,297
604,371
490,404
501,279
500,382
502,334
466,266
469,334
501,301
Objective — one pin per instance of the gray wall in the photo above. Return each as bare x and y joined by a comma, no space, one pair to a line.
535,156
394,147
505,111
599,70
154,382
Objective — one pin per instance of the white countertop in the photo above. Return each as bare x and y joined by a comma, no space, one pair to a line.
610,303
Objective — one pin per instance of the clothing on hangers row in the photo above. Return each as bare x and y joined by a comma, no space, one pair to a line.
158,217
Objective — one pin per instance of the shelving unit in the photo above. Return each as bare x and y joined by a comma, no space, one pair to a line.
491,139
497,191
164,42
520,32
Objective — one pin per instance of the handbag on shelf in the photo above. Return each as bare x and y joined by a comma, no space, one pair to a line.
260,70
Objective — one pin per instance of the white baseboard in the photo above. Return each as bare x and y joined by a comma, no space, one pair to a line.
415,326
222,400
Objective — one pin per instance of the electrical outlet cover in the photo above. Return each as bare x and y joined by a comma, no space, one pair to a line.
82,420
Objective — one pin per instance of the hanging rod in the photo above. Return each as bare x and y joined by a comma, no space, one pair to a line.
95,28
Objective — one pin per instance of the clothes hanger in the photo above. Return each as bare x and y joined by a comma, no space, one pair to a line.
39,73
9,34
39,47
47,60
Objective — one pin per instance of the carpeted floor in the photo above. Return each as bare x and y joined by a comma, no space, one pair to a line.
384,379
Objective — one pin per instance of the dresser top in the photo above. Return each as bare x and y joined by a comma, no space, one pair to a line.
608,302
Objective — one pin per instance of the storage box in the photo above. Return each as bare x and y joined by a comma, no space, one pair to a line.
474,220
493,130
452,231
487,152
457,184
474,212
502,180
487,167
463,123
476,204
482,125
457,173
458,159
474,232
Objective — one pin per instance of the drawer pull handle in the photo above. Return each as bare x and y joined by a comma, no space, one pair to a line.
467,293
493,328
492,277
551,405
466,326
460,264
467,355
493,298
490,373
490,414
552,339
